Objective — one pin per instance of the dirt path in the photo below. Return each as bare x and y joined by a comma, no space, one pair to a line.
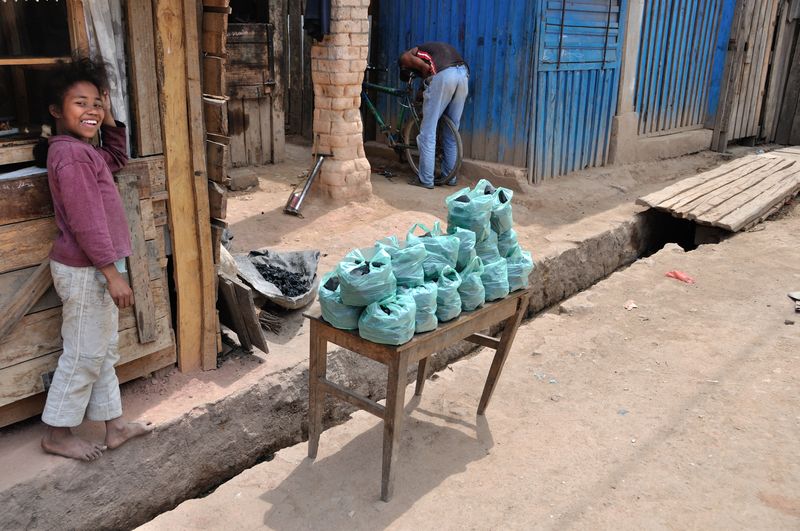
680,413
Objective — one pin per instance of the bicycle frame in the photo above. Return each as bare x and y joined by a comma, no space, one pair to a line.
393,135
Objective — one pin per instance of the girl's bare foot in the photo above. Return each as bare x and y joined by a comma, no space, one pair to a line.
118,431
61,441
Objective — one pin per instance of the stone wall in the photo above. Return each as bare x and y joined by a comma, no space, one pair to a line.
337,70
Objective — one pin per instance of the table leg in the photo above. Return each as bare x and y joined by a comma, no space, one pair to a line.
392,421
317,368
422,373
506,339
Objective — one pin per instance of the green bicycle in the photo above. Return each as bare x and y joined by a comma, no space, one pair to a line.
404,140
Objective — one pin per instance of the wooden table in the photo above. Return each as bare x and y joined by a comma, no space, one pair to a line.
397,358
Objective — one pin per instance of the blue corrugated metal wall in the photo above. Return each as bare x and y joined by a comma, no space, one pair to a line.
577,83
497,40
675,58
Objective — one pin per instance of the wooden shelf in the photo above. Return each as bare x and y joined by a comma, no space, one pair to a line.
26,61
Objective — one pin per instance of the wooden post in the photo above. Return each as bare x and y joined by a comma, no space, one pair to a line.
181,115
78,38
277,17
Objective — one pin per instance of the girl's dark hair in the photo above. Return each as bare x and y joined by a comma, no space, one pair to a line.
63,76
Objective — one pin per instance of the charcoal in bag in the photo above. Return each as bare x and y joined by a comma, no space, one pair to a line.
425,299
469,211
334,311
442,249
448,301
520,265
487,249
495,279
466,247
506,241
471,290
501,219
366,278
406,260
390,321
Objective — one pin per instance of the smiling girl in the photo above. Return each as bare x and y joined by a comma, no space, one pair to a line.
87,260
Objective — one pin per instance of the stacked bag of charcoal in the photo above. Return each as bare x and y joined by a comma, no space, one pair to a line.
397,289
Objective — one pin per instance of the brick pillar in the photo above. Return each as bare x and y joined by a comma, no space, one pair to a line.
337,70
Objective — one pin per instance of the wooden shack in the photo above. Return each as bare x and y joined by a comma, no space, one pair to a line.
171,189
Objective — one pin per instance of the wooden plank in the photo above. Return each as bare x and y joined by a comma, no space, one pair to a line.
483,340
249,313
249,54
237,121
208,279
26,244
31,61
12,309
216,3
16,153
148,224
12,282
251,32
245,74
217,200
76,22
214,78
252,134
683,201
216,162
144,85
171,65
350,397
276,12
214,33
25,198
137,261
144,171
731,80
230,315
265,119
216,115
685,185
294,86
760,199
777,78
217,228
39,333
159,213
25,379
33,405
713,202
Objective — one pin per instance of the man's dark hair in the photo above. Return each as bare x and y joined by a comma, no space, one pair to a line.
63,76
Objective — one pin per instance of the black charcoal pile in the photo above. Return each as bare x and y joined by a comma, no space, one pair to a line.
290,284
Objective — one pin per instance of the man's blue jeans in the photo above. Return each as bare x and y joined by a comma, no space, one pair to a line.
446,94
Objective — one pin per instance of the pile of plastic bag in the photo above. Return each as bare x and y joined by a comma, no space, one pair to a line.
400,288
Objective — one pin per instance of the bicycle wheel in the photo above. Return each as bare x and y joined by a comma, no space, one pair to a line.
410,132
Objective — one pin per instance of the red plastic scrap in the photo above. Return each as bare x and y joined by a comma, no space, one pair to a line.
680,275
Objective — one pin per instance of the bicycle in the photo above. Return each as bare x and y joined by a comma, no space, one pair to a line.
404,140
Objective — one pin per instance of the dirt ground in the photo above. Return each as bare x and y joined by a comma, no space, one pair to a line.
543,219
680,413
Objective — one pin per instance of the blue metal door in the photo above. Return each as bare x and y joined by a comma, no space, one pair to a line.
576,84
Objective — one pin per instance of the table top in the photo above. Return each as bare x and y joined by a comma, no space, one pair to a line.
462,326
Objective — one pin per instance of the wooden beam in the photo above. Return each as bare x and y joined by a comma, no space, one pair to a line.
25,198
137,262
277,18
732,79
31,61
217,200
142,59
78,37
12,154
11,311
26,244
187,216
192,16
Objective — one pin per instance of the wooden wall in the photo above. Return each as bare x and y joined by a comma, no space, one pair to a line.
782,104
27,228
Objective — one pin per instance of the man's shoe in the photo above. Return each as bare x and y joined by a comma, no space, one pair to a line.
441,182
416,182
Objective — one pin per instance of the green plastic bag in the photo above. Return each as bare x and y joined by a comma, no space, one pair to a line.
495,279
425,299
466,247
365,279
406,260
520,265
442,249
390,321
487,249
469,211
334,311
506,241
501,219
448,301
471,290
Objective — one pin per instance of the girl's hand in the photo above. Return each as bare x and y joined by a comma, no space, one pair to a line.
108,118
121,292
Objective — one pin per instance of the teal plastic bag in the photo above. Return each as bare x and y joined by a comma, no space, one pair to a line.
506,241
442,249
406,260
501,219
471,290
334,311
468,211
520,265
495,279
425,299
365,279
466,247
390,321
448,301
487,249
